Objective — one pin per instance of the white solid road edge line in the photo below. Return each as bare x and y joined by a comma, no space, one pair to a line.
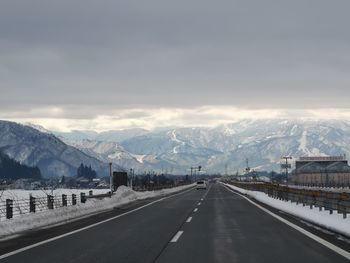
195,210
177,236
336,249
87,227
189,219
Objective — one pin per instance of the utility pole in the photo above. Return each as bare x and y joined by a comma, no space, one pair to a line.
110,177
131,177
247,169
286,165
195,169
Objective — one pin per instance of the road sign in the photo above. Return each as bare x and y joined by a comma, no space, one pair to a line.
286,165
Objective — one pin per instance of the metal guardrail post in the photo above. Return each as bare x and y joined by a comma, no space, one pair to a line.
82,198
9,208
31,204
74,199
50,202
64,200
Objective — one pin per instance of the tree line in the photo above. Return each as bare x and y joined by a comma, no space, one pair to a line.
11,169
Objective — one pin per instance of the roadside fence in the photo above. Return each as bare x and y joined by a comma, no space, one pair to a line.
330,201
13,208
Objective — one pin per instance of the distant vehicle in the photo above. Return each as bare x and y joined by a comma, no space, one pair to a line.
201,185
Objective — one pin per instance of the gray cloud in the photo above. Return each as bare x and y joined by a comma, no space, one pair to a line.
118,54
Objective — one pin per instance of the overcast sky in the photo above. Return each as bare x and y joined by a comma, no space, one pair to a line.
112,64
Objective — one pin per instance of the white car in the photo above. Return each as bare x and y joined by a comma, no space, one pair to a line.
201,185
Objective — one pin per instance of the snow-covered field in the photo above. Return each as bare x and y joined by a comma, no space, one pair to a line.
18,194
334,222
20,199
122,196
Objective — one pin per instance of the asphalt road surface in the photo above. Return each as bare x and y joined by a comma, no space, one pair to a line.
213,225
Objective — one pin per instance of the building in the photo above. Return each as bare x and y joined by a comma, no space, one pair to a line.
322,171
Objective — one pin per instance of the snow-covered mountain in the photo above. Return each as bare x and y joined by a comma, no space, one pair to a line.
263,142
32,147
112,136
175,150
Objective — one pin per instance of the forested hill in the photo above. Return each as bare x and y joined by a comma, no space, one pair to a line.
11,169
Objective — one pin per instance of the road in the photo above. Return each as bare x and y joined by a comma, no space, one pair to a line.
213,225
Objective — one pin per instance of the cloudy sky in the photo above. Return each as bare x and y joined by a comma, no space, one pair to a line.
112,64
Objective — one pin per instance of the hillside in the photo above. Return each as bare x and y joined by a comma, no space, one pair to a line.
11,169
263,142
32,147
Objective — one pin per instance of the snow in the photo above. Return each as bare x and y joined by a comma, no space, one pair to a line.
19,194
303,143
122,196
116,156
37,127
174,138
229,131
21,198
334,222
138,157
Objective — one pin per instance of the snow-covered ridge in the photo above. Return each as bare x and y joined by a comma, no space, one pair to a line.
32,147
263,142
37,127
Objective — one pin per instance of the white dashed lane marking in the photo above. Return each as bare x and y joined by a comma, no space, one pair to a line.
177,236
189,219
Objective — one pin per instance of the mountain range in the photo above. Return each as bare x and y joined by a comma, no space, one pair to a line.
222,149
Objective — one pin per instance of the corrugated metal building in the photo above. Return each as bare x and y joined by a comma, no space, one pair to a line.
322,171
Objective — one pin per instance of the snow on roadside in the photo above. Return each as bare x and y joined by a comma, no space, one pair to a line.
334,222
20,194
122,196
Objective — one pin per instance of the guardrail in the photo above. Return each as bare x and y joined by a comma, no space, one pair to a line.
330,201
13,208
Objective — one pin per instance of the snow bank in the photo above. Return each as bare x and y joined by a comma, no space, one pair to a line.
122,196
334,222
19,194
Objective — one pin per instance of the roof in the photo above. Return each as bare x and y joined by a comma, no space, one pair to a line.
331,167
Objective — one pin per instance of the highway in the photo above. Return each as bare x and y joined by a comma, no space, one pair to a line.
213,225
